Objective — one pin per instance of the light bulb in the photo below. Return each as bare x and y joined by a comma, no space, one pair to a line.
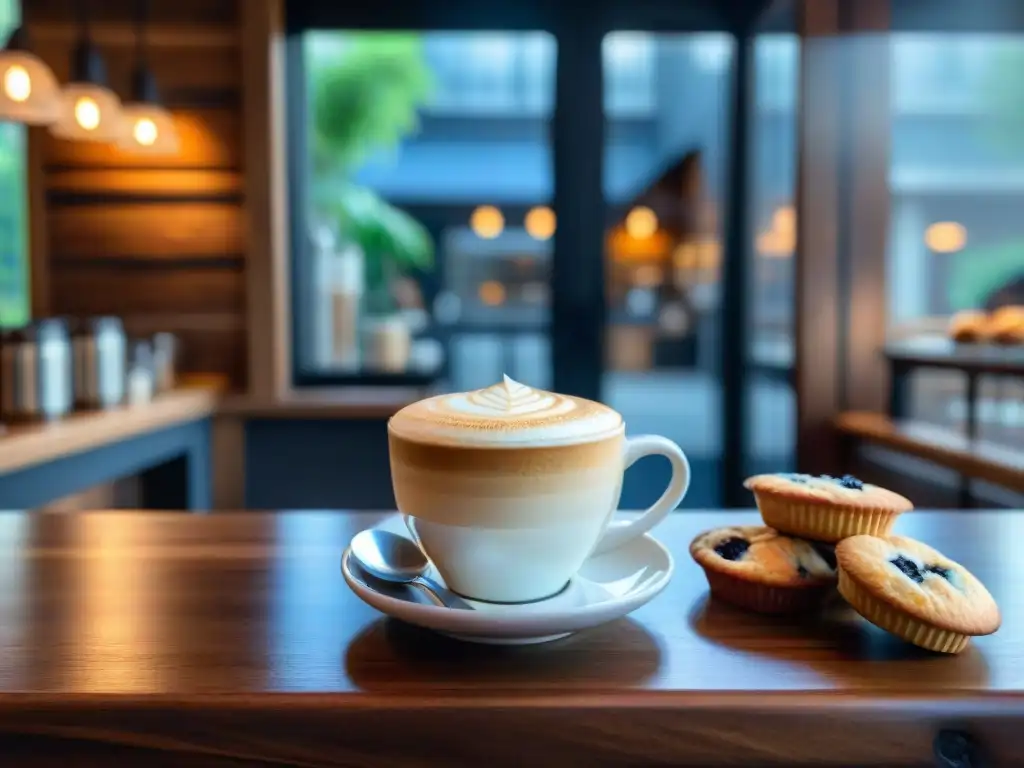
641,223
87,113
17,83
540,223
145,132
487,222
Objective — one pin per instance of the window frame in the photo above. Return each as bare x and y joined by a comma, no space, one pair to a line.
577,307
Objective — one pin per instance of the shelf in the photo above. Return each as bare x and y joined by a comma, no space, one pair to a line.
975,459
29,445
940,352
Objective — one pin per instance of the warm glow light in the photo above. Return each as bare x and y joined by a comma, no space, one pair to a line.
29,92
779,241
17,83
540,223
641,223
945,237
487,222
87,113
492,293
145,132
784,221
147,129
647,276
685,256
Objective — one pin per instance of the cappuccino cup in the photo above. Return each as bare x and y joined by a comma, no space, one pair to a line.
508,489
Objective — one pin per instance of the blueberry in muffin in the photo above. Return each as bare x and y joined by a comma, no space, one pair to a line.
915,592
823,507
756,567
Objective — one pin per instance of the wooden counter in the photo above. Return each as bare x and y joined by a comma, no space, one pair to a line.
25,446
168,639
164,445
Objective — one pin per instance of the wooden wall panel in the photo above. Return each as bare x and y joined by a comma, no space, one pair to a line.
120,290
162,232
189,12
210,139
159,241
154,184
186,76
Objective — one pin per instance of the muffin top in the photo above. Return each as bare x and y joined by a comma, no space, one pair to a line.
920,581
968,324
846,490
761,554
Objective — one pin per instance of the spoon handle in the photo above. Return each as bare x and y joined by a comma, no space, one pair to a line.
445,598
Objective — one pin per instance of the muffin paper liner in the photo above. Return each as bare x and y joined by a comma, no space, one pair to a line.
823,522
893,620
764,598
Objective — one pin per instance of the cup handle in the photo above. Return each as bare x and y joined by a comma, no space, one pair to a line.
619,532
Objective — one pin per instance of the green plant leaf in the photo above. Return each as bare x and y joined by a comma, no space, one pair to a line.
977,273
366,96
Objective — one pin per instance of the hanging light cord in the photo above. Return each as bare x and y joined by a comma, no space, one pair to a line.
83,19
141,20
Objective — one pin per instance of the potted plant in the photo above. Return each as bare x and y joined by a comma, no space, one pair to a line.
366,91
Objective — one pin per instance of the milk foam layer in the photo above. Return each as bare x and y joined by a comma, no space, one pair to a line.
507,414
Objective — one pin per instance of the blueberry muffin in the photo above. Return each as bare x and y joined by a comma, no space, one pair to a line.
825,508
907,588
756,567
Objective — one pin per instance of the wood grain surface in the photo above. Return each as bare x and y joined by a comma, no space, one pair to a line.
143,638
978,459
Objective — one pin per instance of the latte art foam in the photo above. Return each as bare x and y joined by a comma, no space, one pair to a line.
507,413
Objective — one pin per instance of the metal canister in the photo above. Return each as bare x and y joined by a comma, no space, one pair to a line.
165,360
35,372
100,351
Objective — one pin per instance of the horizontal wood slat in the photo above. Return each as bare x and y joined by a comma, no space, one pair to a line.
184,74
145,231
83,290
123,34
976,459
210,140
152,183
219,352
177,322
198,12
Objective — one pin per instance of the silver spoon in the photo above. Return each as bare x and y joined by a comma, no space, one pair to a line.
393,558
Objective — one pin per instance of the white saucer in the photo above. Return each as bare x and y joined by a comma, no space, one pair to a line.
608,587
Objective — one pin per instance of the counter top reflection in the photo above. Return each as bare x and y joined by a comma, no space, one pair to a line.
131,635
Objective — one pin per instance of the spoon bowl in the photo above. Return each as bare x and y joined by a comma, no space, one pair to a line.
388,556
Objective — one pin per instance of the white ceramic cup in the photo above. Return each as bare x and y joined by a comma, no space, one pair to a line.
510,508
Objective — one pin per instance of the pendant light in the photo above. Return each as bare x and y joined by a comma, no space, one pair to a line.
28,89
89,110
147,127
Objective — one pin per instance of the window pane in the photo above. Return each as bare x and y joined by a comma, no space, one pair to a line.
430,185
14,303
956,230
663,185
